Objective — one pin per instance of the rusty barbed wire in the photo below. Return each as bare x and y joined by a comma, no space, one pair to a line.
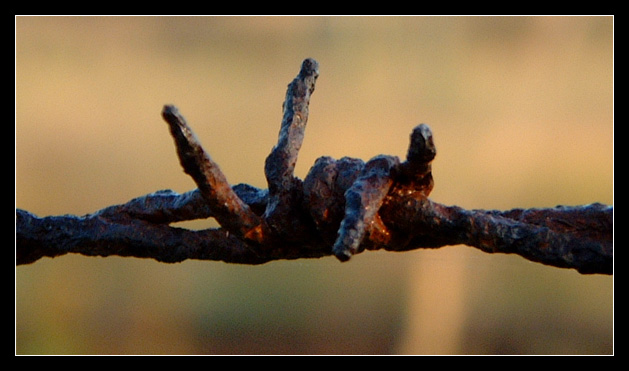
341,208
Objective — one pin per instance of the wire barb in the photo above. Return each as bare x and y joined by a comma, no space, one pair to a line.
229,210
282,218
362,202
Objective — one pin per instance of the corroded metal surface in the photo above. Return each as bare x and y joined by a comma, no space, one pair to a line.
341,208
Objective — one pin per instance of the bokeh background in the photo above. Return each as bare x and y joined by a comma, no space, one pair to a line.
522,113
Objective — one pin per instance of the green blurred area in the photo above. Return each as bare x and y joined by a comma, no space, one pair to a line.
522,113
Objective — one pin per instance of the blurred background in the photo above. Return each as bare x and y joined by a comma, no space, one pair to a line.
522,114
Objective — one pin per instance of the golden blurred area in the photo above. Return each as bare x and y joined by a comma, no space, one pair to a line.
522,114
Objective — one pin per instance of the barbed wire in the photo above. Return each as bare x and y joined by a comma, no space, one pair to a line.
341,208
